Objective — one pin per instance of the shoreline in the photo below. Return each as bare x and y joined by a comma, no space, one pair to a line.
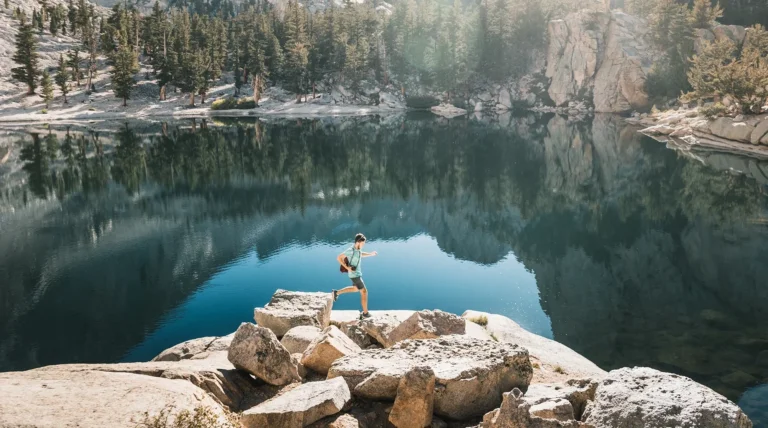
303,364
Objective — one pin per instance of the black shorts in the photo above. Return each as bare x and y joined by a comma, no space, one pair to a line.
358,282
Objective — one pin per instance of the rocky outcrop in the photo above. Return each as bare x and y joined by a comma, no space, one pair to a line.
58,396
256,350
388,329
297,339
448,111
289,309
717,33
195,348
326,348
300,406
644,397
548,353
730,129
415,399
470,374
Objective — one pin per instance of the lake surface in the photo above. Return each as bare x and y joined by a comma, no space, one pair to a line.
118,243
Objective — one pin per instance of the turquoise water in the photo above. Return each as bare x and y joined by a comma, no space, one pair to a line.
116,243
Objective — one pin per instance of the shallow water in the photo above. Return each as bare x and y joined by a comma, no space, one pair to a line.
118,243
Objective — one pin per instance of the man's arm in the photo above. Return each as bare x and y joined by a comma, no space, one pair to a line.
364,254
340,259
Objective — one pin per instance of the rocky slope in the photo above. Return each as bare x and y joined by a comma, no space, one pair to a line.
476,371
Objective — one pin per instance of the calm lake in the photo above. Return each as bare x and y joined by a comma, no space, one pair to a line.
117,243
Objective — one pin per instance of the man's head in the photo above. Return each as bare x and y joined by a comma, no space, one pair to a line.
359,241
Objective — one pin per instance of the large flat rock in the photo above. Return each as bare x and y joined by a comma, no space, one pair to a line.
60,397
642,397
471,374
195,348
549,353
326,348
289,309
300,406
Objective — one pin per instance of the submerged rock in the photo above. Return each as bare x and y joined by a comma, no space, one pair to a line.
471,374
415,399
300,406
644,397
256,350
326,348
289,309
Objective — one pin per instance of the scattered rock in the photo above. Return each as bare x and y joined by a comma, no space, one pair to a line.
297,339
195,348
725,127
515,412
447,110
380,327
641,397
354,331
296,358
761,130
345,421
289,309
428,325
256,350
558,409
471,374
415,399
300,406
326,348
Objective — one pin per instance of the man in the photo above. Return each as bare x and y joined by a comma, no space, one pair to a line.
350,260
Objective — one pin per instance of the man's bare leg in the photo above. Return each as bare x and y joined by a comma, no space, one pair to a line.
364,299
350,289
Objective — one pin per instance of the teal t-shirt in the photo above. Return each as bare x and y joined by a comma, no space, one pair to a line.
355,259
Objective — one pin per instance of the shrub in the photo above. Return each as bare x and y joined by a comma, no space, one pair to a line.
480,320
421,102
559,369
200,417
226,103
246,103
44,111
721,70
715,110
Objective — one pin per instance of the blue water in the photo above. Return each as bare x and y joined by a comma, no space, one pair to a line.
120,242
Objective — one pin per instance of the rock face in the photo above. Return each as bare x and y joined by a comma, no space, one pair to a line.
620,79
725,127
599,56
415,399
300,406
195,348
326,348
572,58
289,309
470,374
297,339
58,396
760,132
256,350
644,397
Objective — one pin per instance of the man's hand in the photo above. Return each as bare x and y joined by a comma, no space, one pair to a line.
374,253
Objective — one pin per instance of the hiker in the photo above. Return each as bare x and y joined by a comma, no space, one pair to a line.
350,263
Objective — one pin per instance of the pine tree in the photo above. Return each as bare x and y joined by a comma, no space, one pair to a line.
53,27
26,57
296,49
73,62
122,72
72,16
703,13
61,78
47,88
5,3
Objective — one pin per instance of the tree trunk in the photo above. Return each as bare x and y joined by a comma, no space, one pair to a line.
65,99
298,98
256,81
202,97
191,99
125,102
313,90
162,93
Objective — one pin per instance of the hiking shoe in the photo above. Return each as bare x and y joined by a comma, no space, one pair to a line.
365,315
335,295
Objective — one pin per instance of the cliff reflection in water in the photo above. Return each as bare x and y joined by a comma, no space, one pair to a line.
641,256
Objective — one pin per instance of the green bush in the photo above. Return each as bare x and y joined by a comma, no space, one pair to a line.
715,110
421,102
44,111
200,417
230,103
